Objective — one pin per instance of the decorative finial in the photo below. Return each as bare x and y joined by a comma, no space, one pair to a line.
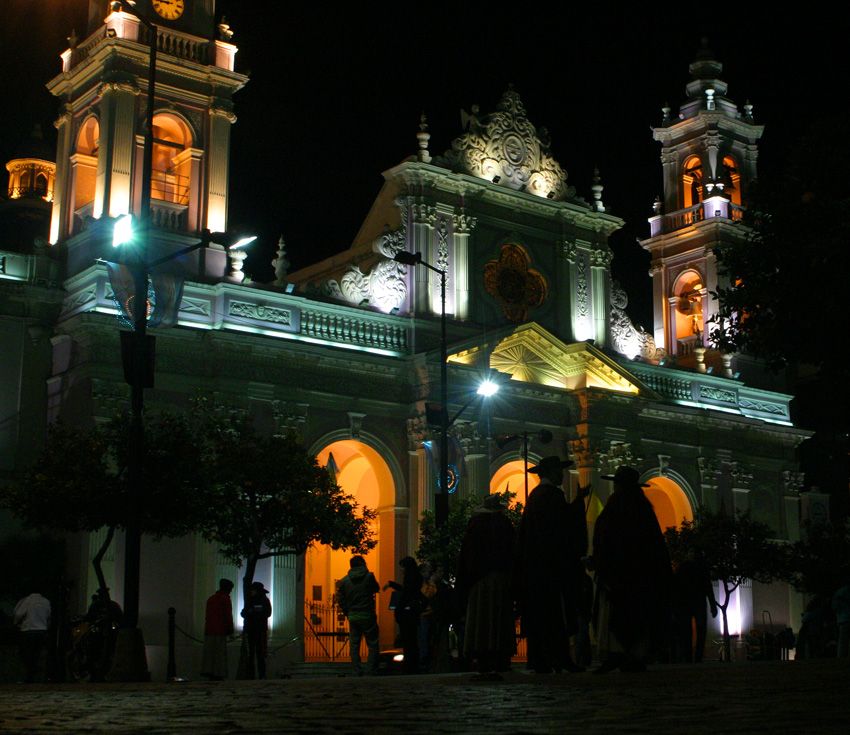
709,99
656,205
597,191
72,39
224,32
665,114
280,264
748,111
423,136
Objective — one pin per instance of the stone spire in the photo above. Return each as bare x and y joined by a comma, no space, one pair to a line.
422,137
280,264
597,189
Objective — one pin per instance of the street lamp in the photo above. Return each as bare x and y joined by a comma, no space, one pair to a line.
441,499
130,664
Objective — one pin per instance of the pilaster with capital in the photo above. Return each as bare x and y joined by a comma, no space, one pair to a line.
62,194
600,266
219,121
116,149
792,485
710,470
462,226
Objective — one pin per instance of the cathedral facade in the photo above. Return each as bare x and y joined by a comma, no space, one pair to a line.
347,351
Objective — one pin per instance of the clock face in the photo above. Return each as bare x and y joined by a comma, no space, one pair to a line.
169,9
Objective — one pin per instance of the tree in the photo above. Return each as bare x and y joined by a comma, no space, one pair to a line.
79,482
267,496
783,284
733,548
820,561
440,546
783,294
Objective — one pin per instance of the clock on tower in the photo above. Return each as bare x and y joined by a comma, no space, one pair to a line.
169,9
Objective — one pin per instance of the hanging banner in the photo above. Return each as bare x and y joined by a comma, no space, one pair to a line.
456,464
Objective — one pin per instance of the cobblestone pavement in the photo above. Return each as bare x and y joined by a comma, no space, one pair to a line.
799,697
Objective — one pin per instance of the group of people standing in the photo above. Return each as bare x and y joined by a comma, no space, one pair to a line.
541,572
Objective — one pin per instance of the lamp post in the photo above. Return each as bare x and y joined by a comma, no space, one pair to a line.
441,499
135,458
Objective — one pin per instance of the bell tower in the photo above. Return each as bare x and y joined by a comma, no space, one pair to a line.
708,156
101,152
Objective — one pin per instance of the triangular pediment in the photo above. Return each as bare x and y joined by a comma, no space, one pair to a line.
531,354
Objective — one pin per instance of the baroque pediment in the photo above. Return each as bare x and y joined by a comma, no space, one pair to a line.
506,148
531,354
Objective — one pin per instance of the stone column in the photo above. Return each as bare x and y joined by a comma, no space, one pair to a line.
62,197
218,157
462,226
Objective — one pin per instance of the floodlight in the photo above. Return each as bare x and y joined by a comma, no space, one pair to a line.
487,388
122,232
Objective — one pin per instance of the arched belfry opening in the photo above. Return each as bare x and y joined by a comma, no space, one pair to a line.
363,473
669,501
688,317
692,191
172,162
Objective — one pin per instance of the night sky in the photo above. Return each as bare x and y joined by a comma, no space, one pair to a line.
335,97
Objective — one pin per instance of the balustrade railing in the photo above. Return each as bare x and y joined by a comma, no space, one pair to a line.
361,331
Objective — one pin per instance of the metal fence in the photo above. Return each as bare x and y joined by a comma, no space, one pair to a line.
326,633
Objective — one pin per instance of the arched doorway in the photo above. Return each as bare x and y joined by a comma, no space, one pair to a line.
361,472
670,502
511,477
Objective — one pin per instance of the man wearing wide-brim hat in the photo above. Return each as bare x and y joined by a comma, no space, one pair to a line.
552,540
256,613
633,576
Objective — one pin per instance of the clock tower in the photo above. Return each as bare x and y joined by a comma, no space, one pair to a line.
100,152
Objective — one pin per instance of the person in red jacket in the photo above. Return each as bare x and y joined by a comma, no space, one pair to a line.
218,625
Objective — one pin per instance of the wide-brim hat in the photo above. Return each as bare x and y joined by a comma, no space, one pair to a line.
494,501
547,464
626,475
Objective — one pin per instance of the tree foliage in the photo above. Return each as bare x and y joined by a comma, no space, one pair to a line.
733,548
80,483
441,546
785,287
268,496
820,561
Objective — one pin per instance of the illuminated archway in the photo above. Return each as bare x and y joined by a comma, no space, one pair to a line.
688,312
732,180
84,165
670,502
361,472
511,476
691,182
172,161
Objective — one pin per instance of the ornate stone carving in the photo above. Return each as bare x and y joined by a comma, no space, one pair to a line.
261,313
720,395
793,482
442,230
384,286
626,338
742,476
469,438
289,416
355,423
601,258
617,453
514,284
582,300
569,250
417,431
709,470
505,148
463,223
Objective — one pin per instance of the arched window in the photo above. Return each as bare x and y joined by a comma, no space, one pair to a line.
84,163
732,180
171,159
688,311
692,182
41,185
